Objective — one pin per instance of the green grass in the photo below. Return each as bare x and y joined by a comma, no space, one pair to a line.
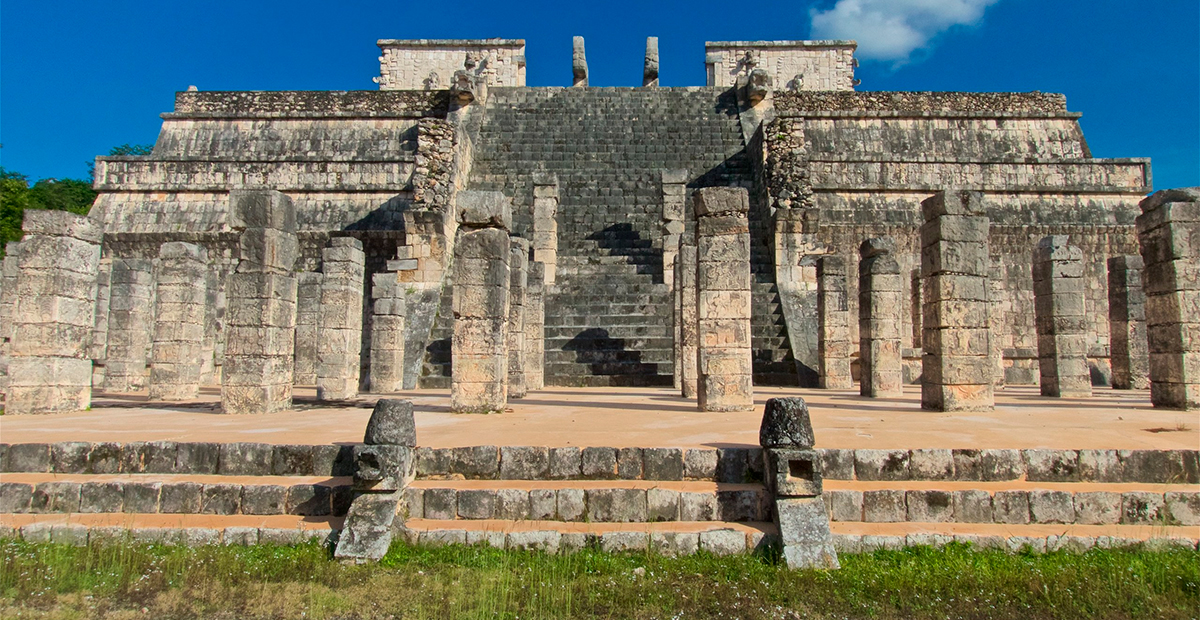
148,581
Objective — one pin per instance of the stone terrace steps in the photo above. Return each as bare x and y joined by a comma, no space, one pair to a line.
183,529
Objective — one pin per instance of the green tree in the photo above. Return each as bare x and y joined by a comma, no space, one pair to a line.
73,195
14,199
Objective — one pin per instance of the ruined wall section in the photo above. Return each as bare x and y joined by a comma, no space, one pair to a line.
429,64
792,65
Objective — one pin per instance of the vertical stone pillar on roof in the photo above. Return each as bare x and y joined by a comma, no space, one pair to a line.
50,368
688,321
579,68
833,324
339,337
518,270
723,299
879,324
1061,331
9,270
387,333
1169,235
130,324
260,319
176,357
99,346
650,68
535,327
545,223
958,369
1127,324
479,380
308,326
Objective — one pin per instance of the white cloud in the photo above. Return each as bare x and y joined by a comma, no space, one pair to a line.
891,30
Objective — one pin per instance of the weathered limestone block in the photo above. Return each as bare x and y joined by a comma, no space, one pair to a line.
650,70
387,333
8,302
479,346
879,324
958,367
518,271
339,339
177,354
833,324
130,324
1169,236
688,322
723,299
579,68
535,327
545,224
50,368
1128,350
308,321
1058,287
260,318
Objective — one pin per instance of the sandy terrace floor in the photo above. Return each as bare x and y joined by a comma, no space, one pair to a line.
623,417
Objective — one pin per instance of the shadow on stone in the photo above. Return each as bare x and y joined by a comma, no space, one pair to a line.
604,355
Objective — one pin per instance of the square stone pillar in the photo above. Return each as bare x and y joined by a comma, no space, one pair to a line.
181,295
8,302
833,324
50,369
687,320
1169,235
1061,329
957,366
1127,324
130,324
99,348
339,335
518,271
535,327
545,223
674,199
479,347
997,321
723,299
214,311
387,333
308,322
880,301
260,319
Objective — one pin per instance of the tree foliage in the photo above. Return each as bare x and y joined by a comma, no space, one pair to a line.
16,195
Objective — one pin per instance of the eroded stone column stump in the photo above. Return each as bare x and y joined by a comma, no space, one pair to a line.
387,333
723,299
833,324
130,324
50,369
518,270
1128,350
880,293
545,223
688,322
339,338
308,322
176,360
957,367
535,328
1169,235
479,346
1059,315
260,319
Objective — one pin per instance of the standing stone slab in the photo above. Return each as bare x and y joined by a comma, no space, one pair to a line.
545,224
1128,350
50,368
879,325
688,323
130,324
833,324
8,302
958,369
308,320
723,299
99,346
1058,287
260,320
387,333
181,295
535,327
518,271
1169,235
579,68
650,69
339,340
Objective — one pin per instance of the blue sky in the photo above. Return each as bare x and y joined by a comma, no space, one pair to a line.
77,78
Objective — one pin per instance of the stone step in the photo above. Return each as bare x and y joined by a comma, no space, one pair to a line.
603,305
661,378
568,371
869,537
580,330
172,529
605,344
592,356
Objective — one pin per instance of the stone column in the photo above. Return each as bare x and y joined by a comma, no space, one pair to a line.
957,367
674,197
308,321
9,270
1169,235
181,295
879,305
688,321
1127,324
793,478
1058,306
578,63
545,223
518,270
650,70
387,333
999,333
99,347
339,337
535,328
833,324
130,324
723,299
50,368
260,320
479,380
210,370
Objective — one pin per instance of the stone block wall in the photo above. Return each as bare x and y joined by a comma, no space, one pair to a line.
792,65
429,64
